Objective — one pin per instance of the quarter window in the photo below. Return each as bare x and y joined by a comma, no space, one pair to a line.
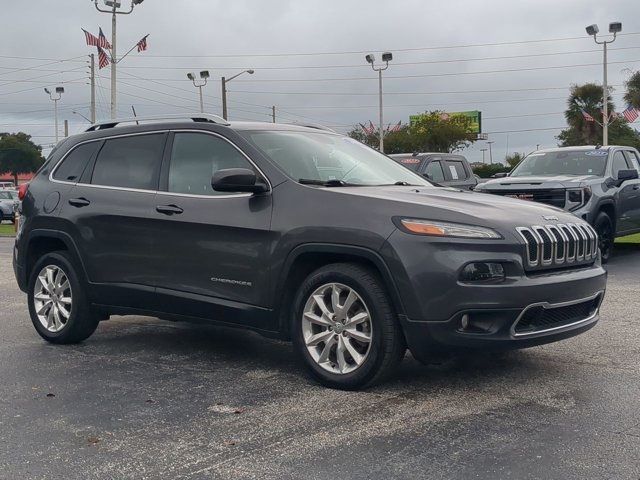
195,157
71,168
434,172
130,162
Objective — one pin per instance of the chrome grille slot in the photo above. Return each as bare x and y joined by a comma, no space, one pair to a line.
555,245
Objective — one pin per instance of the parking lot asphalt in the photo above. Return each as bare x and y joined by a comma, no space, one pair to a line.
145,398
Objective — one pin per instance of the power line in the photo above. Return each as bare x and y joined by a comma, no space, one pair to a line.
356,52
361,65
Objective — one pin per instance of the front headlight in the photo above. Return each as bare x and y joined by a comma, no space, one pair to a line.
446,229
577,197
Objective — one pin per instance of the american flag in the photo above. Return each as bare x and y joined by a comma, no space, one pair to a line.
103,59
396,128
92,40
586,116
630,114
142,44
102,40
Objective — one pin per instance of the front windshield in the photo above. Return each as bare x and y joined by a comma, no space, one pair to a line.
564,162
325,157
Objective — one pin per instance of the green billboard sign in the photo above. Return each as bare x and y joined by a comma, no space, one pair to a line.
474,116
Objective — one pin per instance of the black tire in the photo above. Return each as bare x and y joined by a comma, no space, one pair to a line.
603,225
387,345
82,322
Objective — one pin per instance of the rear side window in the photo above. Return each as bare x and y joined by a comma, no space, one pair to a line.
71,168
195,157
635,161
130,162
434,171
456,170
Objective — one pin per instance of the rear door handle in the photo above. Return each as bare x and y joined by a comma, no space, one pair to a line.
169,209
79,202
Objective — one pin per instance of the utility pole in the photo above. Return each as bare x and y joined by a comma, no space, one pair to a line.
224,90
93,88
386,58
615,28
490,152
273,113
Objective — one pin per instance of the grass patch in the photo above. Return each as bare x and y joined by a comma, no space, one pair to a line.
7,229
629,239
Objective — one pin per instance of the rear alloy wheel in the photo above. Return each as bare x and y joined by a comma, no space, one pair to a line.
58,305
604,228
344,327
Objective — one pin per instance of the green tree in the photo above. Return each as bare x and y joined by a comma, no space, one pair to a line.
632,95
514,159
438,132
18,154
588,97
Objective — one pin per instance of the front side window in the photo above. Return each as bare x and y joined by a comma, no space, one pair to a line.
619,163
435,172
308,157
635,161
195,157
562,162
75,162
130,162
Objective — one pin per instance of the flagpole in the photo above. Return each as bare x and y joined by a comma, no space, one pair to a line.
93,88
131,49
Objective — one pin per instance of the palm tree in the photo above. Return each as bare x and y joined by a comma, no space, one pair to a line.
587,98
632,97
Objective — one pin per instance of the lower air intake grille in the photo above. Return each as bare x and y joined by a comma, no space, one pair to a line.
538,319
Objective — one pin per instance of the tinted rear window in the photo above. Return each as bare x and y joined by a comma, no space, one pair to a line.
75,162
130,162
456,170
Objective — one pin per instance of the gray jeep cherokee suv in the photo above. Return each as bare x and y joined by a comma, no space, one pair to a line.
297,233
598,184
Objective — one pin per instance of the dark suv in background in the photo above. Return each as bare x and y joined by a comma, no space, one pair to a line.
598,184
445,169
297,233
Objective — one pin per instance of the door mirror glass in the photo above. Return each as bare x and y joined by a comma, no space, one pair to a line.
237,180
627,175
500,175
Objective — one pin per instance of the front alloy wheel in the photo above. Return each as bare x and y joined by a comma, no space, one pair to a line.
52,298
336,327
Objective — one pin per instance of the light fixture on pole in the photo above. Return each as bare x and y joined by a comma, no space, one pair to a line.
114,5
55,96
204,75
386,58
614,28
224,90
490,151
81,115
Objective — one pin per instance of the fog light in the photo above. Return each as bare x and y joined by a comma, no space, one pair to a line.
482,272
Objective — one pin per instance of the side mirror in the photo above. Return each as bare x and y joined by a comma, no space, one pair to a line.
427,176
624,175
500,175
237,180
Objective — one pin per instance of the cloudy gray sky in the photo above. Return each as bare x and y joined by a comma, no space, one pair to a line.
309,60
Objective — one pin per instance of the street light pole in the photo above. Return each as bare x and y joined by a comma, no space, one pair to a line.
224,90
483,150
615,28
55,96
490,152
386,58
203,75
115,4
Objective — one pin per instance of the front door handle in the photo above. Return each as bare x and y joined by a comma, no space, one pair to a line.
636,187
169,209
79,202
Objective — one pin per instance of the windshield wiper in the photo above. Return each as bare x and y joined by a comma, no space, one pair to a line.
327,183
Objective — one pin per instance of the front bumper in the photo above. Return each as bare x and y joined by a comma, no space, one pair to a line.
435,300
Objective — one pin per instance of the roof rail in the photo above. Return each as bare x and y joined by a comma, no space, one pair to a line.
196,117
317,126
